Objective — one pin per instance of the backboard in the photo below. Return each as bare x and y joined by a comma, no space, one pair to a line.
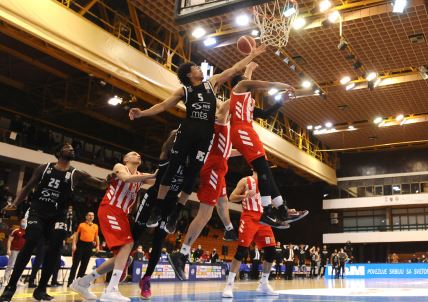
192,10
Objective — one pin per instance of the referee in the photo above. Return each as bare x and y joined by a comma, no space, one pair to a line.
87,233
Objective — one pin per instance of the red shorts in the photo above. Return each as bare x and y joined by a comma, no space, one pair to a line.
212,185
250,230
246,140
115,226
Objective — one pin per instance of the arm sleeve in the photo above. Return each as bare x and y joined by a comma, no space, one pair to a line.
266,113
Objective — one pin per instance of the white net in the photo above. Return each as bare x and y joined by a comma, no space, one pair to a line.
274,20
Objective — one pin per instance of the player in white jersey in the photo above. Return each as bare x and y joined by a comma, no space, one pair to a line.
113,217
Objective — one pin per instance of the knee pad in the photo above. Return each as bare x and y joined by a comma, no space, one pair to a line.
269,253
241,253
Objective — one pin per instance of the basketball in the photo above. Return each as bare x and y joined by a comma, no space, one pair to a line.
245,44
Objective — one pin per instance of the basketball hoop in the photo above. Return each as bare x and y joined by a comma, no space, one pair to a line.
274,20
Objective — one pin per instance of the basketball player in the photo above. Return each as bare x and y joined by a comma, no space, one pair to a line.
54,184
196,131
162,229
113,217
251,230
212,188
246,141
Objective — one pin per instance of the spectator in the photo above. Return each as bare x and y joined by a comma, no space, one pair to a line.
164,255
289,261
15,243
335,264
138,254
278,260
198,253
394,258
324,260
314,257
414,259
205,258
342,261
147,254
302,257
423,259
214,256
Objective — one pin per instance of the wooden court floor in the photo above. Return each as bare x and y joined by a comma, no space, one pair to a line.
303,290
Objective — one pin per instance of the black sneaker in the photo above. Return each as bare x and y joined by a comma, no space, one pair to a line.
270,218
155,217
230,235
171,223
8,293
41,295
178,262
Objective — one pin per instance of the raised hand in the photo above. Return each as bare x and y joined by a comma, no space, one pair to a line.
258,50
134,113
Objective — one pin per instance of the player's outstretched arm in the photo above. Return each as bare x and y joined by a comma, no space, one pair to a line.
34,180
250,85
170,102
218,79
123,175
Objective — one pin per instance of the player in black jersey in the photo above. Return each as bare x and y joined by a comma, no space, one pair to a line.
54,184
197,129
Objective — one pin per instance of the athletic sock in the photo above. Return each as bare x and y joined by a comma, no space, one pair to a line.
231,278
86,280
185,249
266,200
114,280
229,227
264,278
277,201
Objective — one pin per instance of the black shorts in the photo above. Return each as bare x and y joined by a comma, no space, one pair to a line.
193,141
40,226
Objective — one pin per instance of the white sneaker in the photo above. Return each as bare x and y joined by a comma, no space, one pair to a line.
113,296
228,291
83,290
266,289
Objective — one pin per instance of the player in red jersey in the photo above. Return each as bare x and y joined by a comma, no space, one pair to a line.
247,142
251,230
15,243
212,190
113,217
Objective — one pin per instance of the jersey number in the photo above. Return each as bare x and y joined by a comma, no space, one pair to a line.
200,97
61,226
54,183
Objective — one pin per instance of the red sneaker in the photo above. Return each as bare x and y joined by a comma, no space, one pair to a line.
146,293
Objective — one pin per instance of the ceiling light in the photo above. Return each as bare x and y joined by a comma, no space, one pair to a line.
350,86
345,80
272,91
278,53
210,41
255,32
328,124
399,6
325,5
399,117
114,101
242,20
351,127
334,16
310,127
306,84
378,120
371,76
299,23
396,188
317,91
199,32
318,127
278,97
289,11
